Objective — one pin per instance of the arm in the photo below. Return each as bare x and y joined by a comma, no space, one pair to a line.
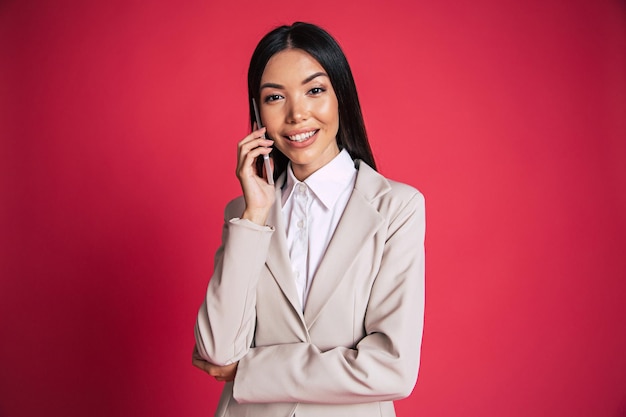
383,365
225,325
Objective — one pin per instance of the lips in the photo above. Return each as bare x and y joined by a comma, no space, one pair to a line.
301,137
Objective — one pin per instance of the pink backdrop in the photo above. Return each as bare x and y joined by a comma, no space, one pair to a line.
119,121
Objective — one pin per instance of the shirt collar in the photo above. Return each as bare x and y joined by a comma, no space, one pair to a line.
327,183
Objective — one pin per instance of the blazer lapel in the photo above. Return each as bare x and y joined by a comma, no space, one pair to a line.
358,223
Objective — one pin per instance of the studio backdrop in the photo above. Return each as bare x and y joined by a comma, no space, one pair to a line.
118,129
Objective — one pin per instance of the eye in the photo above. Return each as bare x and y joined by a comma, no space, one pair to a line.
272,97
316,90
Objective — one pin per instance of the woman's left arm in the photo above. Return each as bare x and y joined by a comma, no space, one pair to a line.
383,365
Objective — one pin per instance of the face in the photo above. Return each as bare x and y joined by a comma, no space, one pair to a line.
299,110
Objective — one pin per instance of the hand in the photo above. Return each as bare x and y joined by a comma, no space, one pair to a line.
258,194
220,373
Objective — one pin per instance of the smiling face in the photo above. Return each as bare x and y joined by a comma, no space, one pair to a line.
300,111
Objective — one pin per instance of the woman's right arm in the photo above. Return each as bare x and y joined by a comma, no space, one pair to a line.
225,325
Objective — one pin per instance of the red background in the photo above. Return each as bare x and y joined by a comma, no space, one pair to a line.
119,121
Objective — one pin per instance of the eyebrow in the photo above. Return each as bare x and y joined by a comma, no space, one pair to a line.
305,81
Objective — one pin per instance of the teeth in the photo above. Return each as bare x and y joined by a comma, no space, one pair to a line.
302,136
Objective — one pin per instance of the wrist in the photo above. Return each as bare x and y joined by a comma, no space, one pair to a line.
258,216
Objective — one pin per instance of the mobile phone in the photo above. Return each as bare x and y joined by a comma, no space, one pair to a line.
266,158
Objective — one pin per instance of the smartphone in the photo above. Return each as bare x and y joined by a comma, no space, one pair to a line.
266,158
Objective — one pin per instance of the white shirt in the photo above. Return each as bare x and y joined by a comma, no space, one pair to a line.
312,210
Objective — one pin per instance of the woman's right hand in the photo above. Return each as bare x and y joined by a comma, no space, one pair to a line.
258,194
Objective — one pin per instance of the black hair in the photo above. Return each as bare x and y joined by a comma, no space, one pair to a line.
324,48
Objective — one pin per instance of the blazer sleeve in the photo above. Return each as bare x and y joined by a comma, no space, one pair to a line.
224,327
384,364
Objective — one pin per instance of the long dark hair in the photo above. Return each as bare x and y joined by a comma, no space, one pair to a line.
320,45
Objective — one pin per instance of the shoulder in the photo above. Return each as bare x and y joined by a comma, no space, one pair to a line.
405,192
400,206
408,196
382,191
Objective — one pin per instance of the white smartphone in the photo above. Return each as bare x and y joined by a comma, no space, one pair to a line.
266,158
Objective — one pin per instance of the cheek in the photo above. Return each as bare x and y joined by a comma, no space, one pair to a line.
272,123
331,114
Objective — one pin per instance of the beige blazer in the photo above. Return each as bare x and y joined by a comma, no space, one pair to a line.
356,346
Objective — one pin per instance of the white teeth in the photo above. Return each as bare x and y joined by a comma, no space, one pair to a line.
302,136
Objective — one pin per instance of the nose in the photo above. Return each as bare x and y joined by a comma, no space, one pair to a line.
297,110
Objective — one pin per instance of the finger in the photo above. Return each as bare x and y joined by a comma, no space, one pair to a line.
200,365
198,361
258,151
255,134
247,162
245,148
254,151
246,145
195,355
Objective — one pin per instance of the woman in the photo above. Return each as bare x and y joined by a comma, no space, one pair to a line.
315,306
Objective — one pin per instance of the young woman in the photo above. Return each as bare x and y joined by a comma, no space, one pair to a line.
315,306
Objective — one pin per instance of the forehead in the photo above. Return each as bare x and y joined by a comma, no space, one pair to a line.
290,65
